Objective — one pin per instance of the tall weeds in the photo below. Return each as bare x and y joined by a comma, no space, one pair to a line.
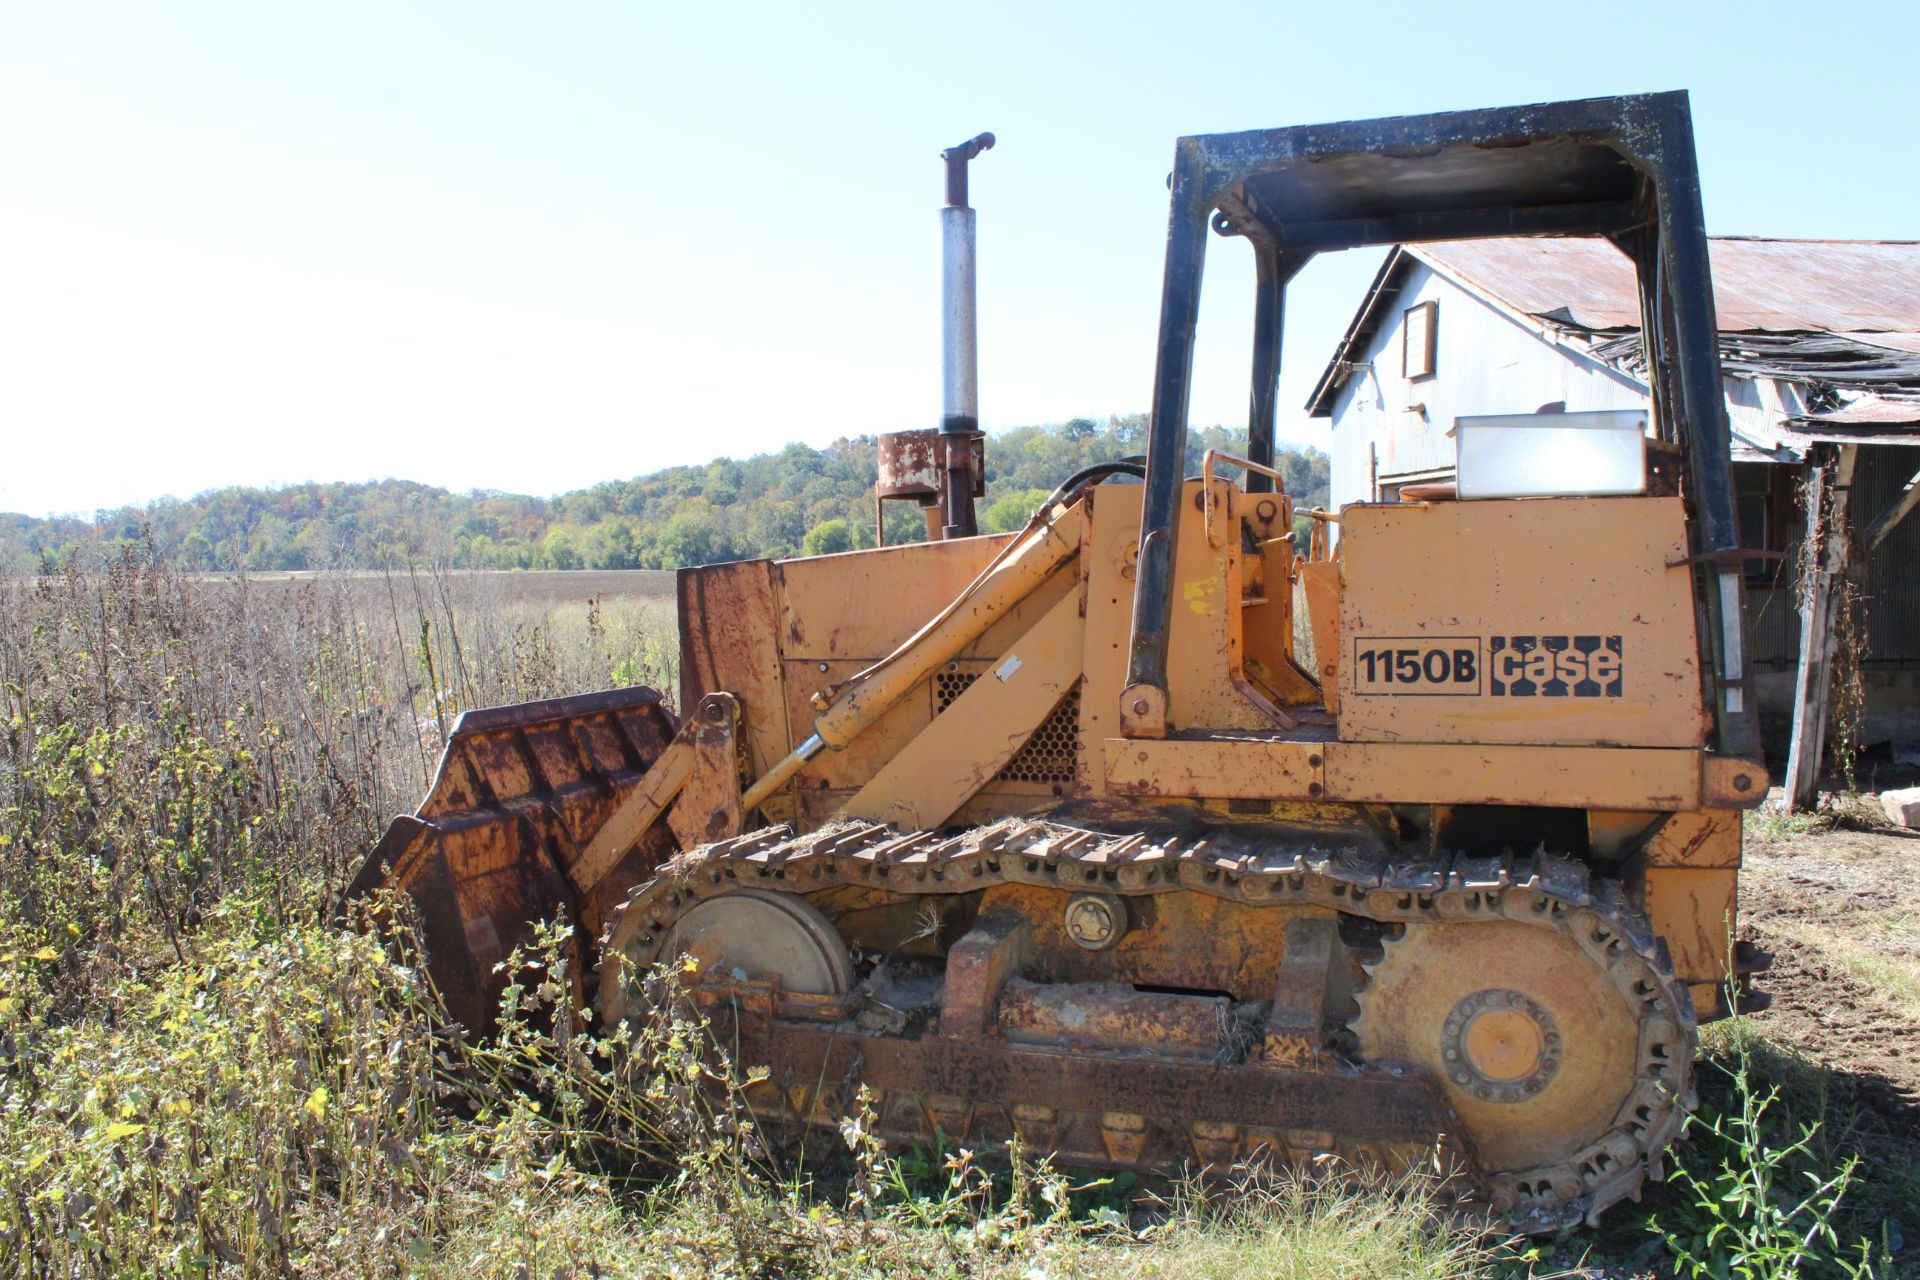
203,1071
167,741
198,1071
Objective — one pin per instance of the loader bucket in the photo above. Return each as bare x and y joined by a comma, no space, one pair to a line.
490,853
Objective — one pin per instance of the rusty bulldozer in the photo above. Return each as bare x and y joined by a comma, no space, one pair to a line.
1159,836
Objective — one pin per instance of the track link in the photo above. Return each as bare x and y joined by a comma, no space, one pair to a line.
1252,866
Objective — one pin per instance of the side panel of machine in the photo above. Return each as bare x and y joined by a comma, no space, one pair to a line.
729,642
1555,621
839,614
1687,881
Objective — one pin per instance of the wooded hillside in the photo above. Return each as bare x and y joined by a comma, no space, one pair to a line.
800,499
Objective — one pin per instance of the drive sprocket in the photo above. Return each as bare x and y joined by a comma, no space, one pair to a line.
1562,1041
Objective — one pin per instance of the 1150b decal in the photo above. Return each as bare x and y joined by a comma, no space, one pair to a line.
1420,665
1536,666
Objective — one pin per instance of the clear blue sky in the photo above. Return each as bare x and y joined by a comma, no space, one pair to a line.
529,247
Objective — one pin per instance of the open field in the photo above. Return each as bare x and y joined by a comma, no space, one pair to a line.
525,588
202,1072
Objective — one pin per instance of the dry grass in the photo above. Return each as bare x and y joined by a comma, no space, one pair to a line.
203,1072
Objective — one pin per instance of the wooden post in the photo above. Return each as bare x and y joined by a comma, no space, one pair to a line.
1824,554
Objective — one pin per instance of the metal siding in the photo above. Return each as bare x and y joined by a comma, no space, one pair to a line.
1773,626
1485,363
1893,572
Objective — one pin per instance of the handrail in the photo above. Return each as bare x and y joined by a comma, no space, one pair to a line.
1207,460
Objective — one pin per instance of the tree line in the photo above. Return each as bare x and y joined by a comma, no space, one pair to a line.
800,500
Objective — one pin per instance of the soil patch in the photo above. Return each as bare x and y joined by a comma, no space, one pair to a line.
1840,912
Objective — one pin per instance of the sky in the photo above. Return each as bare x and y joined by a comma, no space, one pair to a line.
532,247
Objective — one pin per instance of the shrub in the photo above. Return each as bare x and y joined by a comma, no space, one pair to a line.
1758,1197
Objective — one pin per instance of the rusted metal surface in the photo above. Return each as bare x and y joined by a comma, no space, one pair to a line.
1583,1050
1089,1108
1733,782
1314,983
708,806
636,814
1859,287
1468,773
856,609
909,465
1696,910
913,467
1180,979
978,968
1241,956
1710,838
1839,313
997,1035
730,634
493,848
1244,769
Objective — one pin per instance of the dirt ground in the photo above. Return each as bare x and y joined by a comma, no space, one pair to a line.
1840,911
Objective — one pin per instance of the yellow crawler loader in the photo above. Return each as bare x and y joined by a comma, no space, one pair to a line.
1158,837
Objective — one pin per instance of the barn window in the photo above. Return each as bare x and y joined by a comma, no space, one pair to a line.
1419,325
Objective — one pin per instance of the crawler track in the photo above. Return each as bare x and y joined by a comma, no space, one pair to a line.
1202,1113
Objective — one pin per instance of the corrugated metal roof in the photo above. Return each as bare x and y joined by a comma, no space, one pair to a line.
1852,307
1897,341
1869,411
1855,287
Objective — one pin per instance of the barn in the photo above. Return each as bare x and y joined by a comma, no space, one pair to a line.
1820,344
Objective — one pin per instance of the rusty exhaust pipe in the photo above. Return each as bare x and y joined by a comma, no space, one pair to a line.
959,331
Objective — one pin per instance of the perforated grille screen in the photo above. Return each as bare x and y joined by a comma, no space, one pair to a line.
948,685
1047,755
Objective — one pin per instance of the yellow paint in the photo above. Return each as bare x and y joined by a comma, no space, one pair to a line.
933,773
1200,594
1424,584
1696,911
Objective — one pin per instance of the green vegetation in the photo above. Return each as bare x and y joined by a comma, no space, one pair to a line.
1756,1202
204,1070
1781,1175
767,505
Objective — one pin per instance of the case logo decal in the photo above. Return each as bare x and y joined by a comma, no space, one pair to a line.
1555,666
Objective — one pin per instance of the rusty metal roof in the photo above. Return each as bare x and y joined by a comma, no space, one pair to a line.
1855,287
1869,411
1843,313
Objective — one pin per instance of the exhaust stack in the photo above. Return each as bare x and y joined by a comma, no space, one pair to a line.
960,364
